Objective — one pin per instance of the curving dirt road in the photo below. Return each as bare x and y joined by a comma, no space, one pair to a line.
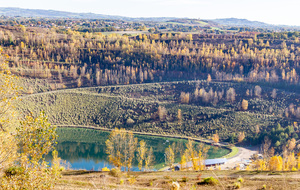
244,154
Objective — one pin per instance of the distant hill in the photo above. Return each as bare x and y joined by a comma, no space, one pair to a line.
231,22
242,23
14,12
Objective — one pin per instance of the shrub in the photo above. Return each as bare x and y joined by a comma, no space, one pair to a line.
185,179
62,169
130,121
237,185
240,179
167,177
132,180
14,170
209,181
115,172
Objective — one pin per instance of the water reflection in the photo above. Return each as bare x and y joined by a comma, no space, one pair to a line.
85,148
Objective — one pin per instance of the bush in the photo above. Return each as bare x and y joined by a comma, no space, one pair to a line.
240,179
132,180
130,121
237,185
167,177
209,181
105,169
115,172
14,170
185,179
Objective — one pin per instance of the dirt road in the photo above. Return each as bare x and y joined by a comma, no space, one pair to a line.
244,154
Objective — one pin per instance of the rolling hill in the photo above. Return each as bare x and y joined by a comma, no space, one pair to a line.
39,13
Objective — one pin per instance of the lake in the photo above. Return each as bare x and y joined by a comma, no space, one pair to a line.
85,148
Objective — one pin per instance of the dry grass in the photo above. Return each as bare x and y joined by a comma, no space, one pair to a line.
186,179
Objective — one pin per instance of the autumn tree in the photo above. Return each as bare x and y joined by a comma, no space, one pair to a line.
23,145
208,78
241,137
183,162
149,158
162,113
257,91
244,105
191,153
142,149
8,122
275,163
257,129
35,139
169,156
179,115
215,138
120,147
184,98
79,82
266,146
230,95
291,144
202,154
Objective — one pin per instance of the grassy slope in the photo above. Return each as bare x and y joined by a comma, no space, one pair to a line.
110,107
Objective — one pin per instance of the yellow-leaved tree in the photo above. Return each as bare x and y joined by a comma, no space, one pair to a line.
149,159
120,147
275,163
35,139
8,93
169,156
141,153
23,145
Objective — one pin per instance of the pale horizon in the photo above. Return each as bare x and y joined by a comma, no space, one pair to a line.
271,12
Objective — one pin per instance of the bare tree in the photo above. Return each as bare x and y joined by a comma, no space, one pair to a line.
230,95
162,113
257,91
265,147
274,93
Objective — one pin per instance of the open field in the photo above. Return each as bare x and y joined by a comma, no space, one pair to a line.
187,179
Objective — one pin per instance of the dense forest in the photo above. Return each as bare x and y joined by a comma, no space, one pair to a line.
93,58
54,54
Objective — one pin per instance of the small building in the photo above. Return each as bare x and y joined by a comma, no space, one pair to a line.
215,162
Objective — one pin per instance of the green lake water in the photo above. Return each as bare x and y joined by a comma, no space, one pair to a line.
85,148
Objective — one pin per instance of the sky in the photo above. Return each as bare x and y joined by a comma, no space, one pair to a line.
269,11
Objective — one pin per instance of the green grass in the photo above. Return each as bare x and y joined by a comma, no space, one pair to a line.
234,151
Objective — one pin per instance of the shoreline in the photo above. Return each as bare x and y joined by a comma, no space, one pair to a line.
206,141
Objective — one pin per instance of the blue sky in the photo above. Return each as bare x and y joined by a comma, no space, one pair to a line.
270,11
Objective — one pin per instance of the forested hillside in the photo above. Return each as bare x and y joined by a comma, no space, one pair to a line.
247,88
